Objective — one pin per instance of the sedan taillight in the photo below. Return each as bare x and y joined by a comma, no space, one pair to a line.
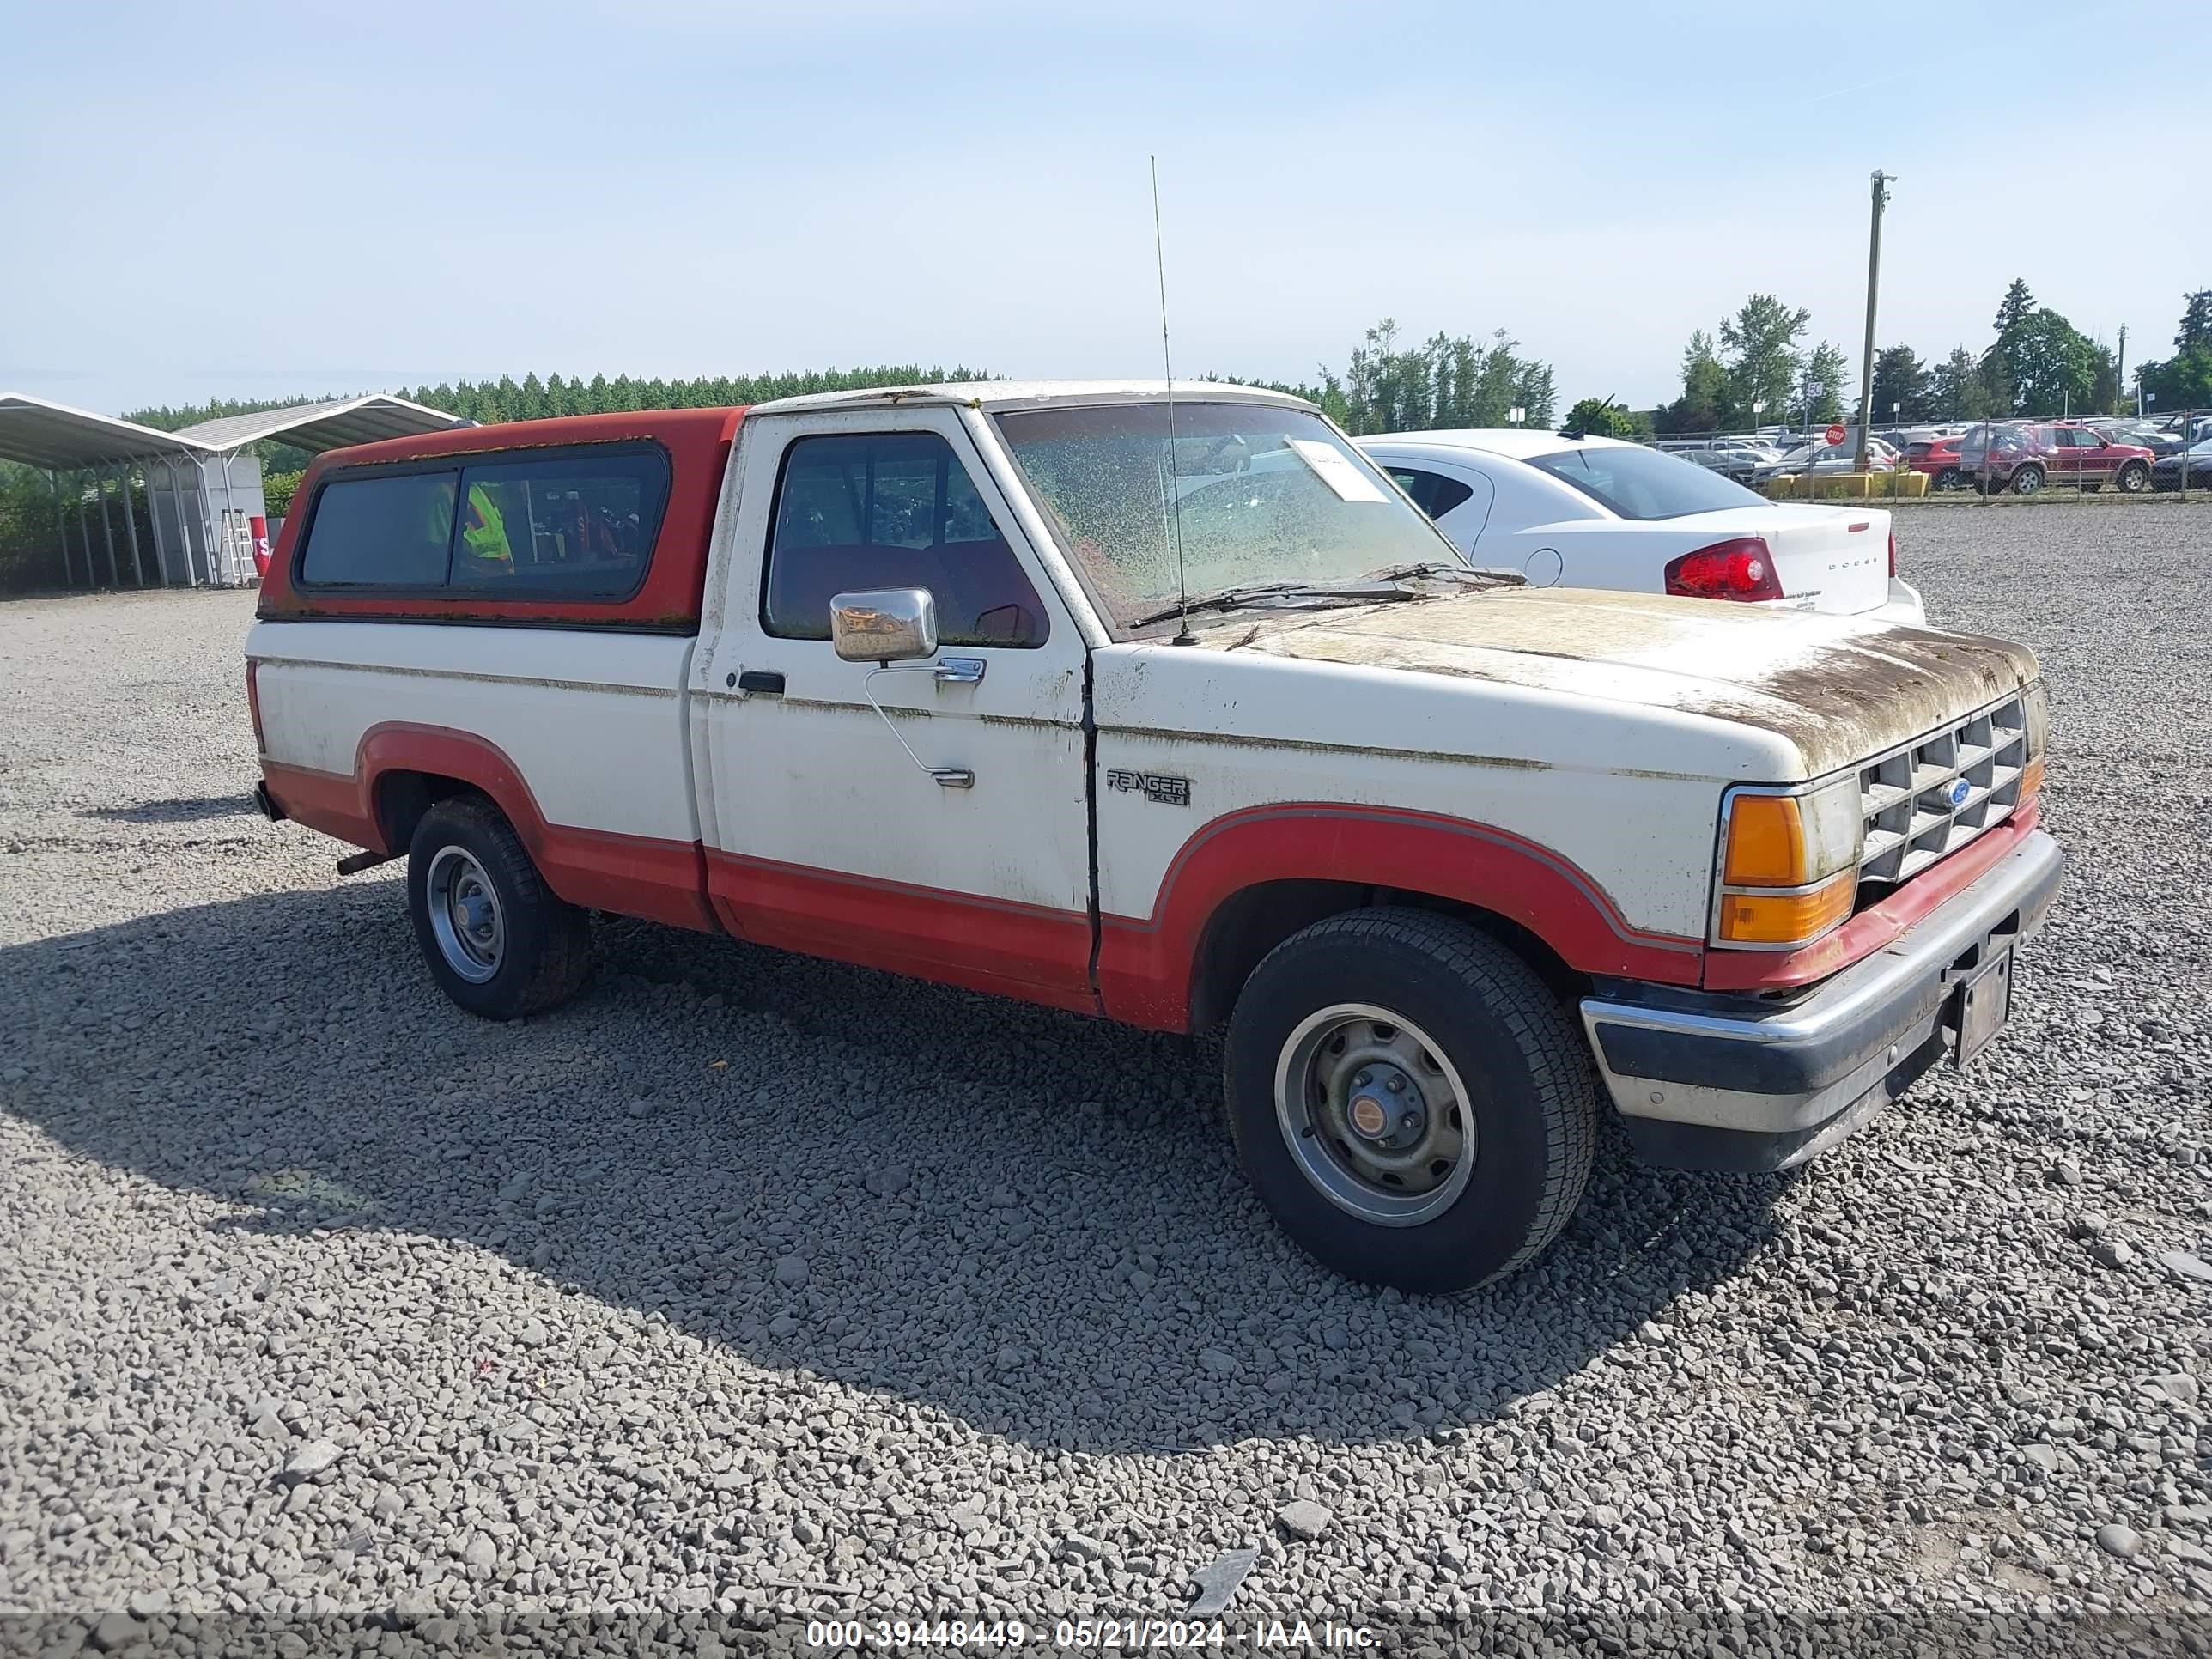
1738,569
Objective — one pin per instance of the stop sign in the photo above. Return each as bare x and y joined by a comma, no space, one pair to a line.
1837,434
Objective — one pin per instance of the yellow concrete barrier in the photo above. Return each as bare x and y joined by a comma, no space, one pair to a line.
1848,486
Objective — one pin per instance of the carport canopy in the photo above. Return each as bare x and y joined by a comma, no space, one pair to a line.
41,432
333,425
38,432
59,438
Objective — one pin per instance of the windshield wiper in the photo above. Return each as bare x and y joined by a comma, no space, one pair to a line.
1396,581
1359,592
1452,570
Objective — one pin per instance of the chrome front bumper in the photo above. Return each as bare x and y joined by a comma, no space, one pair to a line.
1715,1082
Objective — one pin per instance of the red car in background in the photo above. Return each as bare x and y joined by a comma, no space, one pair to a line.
2024,458
1939,458
2087,457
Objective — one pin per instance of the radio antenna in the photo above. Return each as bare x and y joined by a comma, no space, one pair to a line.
1167,364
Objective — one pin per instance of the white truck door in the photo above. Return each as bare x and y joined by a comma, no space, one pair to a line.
822,835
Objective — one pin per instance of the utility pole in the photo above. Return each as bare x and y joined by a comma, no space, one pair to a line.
2120,374
1881,183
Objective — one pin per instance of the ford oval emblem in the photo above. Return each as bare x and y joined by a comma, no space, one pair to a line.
1959,790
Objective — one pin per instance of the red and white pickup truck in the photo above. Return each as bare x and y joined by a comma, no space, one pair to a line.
1012,686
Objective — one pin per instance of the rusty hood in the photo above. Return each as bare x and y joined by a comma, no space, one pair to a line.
1836,688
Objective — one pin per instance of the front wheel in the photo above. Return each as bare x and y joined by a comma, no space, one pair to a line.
498,941
2134,479
2027,480
1409,1100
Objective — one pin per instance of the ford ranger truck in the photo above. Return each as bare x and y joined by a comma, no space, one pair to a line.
1174,712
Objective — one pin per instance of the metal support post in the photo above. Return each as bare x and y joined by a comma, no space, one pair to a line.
131,523
84,535
108,531
61,527
153,526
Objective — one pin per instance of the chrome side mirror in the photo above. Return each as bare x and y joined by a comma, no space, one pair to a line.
888,625
884,624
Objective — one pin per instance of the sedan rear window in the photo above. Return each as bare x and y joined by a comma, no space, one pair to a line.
1641,483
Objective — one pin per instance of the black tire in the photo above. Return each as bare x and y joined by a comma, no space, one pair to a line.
1949,478
2133,478
2026,480
541,952
1520,1061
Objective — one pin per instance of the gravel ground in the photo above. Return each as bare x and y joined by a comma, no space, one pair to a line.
749,1288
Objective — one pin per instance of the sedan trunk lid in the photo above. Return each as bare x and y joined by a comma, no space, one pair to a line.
1829,559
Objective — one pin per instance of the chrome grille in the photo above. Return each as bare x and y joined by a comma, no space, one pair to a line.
1905,798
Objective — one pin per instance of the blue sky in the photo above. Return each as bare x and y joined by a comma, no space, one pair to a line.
248,200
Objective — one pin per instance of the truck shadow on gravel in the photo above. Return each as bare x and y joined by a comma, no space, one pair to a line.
1031,1221
185,809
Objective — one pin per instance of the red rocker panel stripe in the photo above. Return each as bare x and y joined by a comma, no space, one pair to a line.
643,876
1145,966
1025,950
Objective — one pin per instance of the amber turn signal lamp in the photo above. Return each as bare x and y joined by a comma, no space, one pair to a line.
1766,842
1787,917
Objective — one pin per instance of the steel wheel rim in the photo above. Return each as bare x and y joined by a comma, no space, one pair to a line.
1353,1053
466,917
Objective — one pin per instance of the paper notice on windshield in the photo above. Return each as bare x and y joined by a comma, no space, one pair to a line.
1349,483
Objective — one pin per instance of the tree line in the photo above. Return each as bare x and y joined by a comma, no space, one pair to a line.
1753,371
1754,367
1444,381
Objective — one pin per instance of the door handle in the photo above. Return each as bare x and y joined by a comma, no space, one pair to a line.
960,671
760,679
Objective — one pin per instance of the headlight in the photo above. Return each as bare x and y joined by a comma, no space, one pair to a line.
1789,864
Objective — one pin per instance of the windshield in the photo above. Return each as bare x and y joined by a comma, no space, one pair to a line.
1641,484
1267,495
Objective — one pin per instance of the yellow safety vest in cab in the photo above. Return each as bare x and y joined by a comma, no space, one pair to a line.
483,529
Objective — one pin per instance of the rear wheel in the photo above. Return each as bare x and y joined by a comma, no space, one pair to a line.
2134,477
2028,480
1409,1100
1949,478
498,941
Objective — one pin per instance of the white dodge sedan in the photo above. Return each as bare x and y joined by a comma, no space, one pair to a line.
1600,513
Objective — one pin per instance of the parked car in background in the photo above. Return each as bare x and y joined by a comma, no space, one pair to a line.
2026,459
2166,472
1598,512
1994,447
1824,460
2119,430
1939,458
1737,461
